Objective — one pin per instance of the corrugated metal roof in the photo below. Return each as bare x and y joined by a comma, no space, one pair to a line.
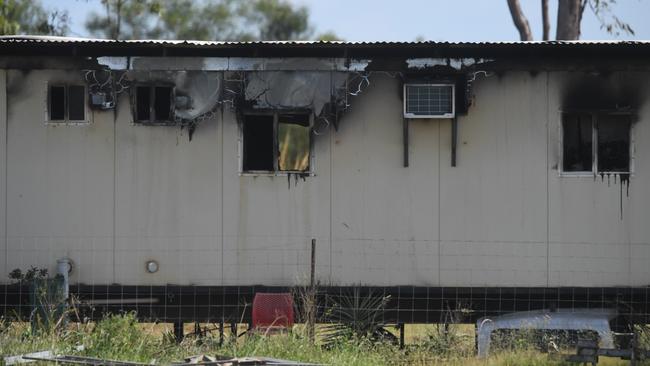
78,40
89,47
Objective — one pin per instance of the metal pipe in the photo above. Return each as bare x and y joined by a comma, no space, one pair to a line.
64,267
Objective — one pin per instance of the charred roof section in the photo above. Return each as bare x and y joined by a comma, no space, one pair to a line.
64,46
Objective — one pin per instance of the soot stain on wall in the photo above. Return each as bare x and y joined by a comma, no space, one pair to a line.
607,92
602,92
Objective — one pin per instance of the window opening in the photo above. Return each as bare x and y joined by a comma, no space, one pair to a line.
577,141
162,103
614,143
57,103
153,104
143,103
76,103
258,143
67,103
596,143
276,142
293,142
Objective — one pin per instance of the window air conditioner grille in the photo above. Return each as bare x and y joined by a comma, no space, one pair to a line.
428,100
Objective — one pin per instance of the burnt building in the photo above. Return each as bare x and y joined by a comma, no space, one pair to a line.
178,177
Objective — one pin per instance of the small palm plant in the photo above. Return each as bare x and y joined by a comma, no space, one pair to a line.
356,316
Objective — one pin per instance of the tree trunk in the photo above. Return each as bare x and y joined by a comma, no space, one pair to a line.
521,23
545,22
119,19
569,15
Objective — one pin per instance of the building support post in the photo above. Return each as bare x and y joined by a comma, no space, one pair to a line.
178,331
405,129
454,140
221,324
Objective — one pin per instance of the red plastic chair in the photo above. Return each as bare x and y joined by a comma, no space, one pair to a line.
272,311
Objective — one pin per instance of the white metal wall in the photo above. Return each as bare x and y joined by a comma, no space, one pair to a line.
111,195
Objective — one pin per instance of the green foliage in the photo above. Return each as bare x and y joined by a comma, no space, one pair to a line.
447,341
328,37
29,17
279,20
603,9
120,337
210,20
33,273
46,297
356,317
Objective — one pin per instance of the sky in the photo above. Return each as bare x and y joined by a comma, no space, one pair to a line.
436,20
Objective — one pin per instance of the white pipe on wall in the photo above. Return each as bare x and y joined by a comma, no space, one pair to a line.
63,267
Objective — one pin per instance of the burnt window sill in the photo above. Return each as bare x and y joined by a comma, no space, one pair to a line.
157,123
592,174
276,174
66,122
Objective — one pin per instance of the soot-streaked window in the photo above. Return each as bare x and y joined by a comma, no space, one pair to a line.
613,133
596,143
153,104
276,142
577,137
67,103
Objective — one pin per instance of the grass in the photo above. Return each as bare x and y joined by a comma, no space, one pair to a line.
122,337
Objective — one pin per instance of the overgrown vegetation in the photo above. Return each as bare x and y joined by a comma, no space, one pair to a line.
122,337
353,334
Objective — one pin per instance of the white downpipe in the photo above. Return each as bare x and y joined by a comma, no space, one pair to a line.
63,267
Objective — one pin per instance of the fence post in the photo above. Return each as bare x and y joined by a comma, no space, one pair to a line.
311,331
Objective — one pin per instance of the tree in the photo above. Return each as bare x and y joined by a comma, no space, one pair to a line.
278,20
29,17
569,18
202,20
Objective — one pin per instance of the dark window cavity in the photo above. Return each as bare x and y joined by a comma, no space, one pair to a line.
276,142
258,143
614,143
293,142
67,103
611,134
57,103
143,103
76,103
153,104
162,103
577,142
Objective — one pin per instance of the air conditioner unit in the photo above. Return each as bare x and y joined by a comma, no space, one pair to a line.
429,101
101,100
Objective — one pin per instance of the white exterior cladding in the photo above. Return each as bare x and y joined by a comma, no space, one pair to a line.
111,195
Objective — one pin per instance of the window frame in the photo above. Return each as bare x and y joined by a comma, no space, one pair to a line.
152,113
595,114
276,172
66,121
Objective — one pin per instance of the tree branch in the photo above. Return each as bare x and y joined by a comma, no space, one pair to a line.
569,14
545,22
521,23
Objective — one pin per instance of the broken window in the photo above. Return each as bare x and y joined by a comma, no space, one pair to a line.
293,142
614,143
258,143
67,103
153,104
276,142
577,143
611,134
